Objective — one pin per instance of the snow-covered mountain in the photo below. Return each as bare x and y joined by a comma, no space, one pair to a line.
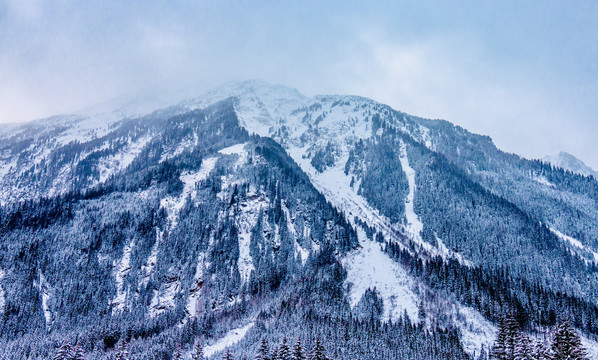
571,163
254,212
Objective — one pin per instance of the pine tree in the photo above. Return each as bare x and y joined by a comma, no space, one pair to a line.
524,348
298,352
483,355
178,353
262,352
543,352
274,353
228,356
65,352
504,347
198,352
284,352
78,352
566,344
317,351
121,352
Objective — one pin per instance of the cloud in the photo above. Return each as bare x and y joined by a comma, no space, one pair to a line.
514,76
27,11
454,78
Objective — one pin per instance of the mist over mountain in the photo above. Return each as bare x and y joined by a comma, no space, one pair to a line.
253,212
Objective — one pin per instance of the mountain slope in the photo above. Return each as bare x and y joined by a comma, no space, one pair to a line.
226,211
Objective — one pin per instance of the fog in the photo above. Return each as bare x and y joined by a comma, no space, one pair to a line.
525,74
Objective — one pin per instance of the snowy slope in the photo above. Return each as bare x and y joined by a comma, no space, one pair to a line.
369,267
571,163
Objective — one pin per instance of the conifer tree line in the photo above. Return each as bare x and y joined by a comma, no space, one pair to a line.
512,344
282,352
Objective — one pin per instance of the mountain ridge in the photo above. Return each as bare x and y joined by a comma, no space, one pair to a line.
256,186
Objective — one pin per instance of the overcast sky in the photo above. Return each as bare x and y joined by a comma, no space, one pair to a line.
525,73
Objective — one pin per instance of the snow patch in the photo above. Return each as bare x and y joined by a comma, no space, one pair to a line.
124,266
591,347
542,180
336,187
192,301
476,331
370,267
190,179
149,265
414,226
116,163
164,298
231,338
575,243
445,252
44,290
260,105
238,149
250,210
303,253
2,298
426,138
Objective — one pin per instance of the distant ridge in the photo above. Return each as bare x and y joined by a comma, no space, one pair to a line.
570,162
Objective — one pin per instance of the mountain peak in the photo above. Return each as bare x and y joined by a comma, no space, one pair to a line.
570,162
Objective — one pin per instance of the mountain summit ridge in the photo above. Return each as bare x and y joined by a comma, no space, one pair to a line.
570,162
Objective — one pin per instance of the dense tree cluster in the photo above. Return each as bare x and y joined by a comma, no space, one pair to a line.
512,344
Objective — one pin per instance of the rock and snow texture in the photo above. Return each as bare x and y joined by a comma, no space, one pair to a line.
299,250
2,298
122,270
542,180
369,267
173,205
591,347
231,338
414,226
577,245
194,293
336,186
45,291
238,149
569,162
260,105
165,297
247,218
245,223
476,331
113,164
149,265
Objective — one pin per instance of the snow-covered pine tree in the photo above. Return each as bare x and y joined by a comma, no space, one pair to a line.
284,352
543,352
65,352
122,353
483,355
228,356
298,352
524,348
263,352
197,352
566,344
178,353
504,347
317,351
274,353
77,353
499,349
